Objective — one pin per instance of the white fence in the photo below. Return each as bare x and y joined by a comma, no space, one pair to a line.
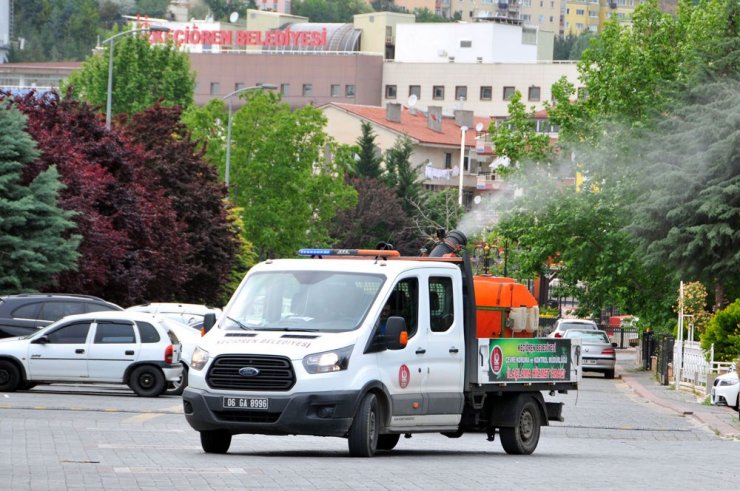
695,369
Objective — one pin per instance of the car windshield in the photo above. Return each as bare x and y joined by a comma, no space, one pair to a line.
322,301
598,336
576,325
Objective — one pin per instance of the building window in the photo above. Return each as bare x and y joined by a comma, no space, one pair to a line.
349,90
529,35
415,90
534,93
438,92
307,90
336,90
466,44
239,85
448,160
461,92
580,11
284,89
508,93
486,93
215,88
390,91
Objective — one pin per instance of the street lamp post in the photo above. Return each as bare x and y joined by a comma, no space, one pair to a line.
463,130
228,130
111,40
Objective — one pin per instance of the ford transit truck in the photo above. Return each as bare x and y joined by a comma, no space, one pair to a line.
369,345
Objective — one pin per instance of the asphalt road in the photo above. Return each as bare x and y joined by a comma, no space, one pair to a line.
76,437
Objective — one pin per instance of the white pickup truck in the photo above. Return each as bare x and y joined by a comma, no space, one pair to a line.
304,347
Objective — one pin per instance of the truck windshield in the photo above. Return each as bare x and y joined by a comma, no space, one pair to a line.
321,301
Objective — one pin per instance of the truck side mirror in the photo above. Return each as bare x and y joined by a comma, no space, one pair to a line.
396,336
209,320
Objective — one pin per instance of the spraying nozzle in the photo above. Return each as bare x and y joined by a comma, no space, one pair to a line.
451,243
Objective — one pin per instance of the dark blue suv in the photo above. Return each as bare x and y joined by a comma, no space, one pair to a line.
24,313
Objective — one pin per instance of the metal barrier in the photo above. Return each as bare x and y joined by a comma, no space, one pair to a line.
665,359
625,337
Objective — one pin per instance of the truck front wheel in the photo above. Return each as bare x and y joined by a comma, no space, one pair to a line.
388,442
216,441
523,437
363,434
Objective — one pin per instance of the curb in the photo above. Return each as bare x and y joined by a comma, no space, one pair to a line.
722,429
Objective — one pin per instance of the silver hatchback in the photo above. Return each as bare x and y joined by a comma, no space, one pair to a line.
597,353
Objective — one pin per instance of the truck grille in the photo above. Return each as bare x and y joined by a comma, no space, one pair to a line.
275,373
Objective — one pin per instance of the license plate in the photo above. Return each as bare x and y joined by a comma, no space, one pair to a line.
258,403
590,362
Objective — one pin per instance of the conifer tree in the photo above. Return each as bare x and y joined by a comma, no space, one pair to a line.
34,232
368,162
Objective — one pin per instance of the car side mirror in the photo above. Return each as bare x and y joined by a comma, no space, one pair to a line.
396,336
209,320
41,340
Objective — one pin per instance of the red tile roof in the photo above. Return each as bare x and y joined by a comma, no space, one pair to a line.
415,125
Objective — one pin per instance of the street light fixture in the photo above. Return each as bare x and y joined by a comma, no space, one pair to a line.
228,131
111,40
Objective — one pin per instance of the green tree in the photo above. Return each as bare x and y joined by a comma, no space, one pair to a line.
368,163
289,191
35,239
723,332
54,29
152,8
402,176
688,212
142,75
330,10
517,138
426,15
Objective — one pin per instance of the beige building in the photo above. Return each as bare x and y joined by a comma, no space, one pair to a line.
379,31
437,141
484,88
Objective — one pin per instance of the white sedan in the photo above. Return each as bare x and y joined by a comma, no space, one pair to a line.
726,390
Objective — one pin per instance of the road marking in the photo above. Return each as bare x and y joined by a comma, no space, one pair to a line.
141,418
188,470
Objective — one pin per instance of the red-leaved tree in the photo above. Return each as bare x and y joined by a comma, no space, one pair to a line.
132,248
197,196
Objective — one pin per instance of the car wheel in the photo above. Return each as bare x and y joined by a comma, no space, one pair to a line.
215,441
363,434
10,376
177,387
609,374
388,442
523,438
147,381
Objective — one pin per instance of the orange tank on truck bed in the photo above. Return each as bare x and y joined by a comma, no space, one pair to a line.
504,308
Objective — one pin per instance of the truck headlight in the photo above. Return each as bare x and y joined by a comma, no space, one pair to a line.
328,361
199,359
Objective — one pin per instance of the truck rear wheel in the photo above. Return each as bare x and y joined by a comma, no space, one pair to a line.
523,437
215,441
388,442
363,434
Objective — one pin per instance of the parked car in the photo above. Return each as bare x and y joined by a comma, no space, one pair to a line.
189,338
190,314
563,325
24,313
105,347
726,390
597,353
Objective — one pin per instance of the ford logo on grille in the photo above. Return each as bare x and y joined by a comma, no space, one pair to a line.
248,372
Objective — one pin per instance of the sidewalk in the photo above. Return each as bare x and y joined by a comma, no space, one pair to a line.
721,420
